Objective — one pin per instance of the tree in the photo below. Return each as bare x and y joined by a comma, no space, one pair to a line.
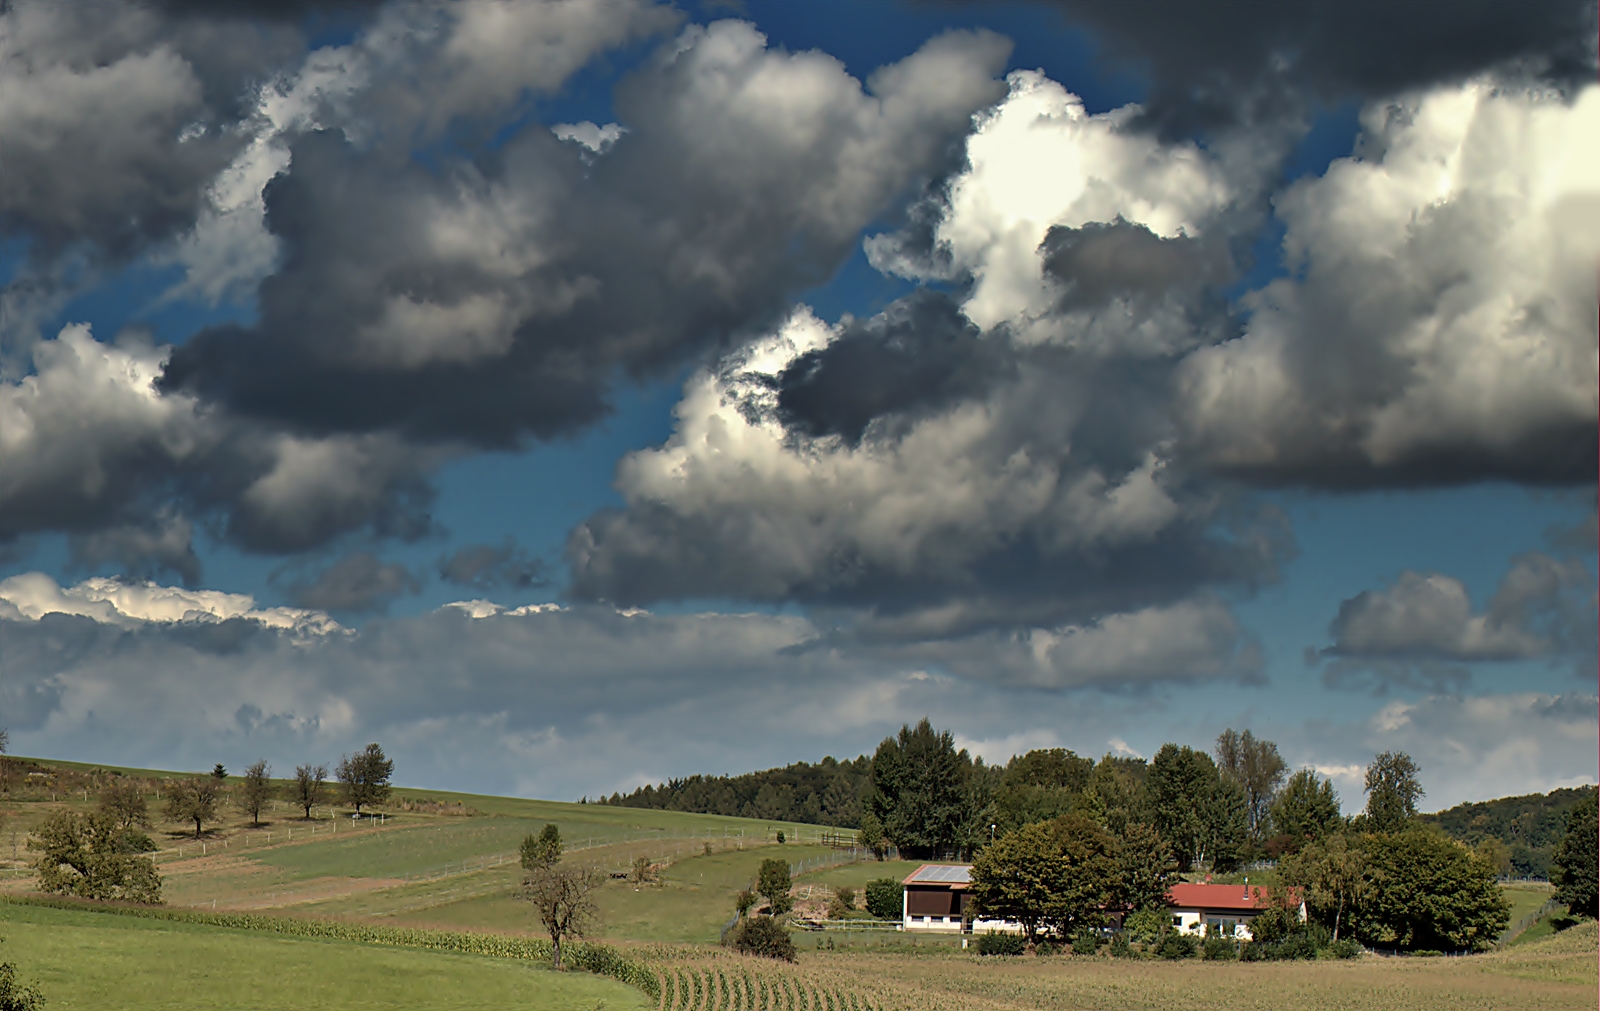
1392,791
125,803
15,997
1428,892
542,850
193,800
1055,876
256,789
764,936
1198,812
90,856
773,882
1574,862
922,791
308,780
1116,794
365,776
1146,867
563,897
1258,768
1332,873
870,835
1307,808
219,772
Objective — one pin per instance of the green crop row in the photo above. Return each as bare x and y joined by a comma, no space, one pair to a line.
595,958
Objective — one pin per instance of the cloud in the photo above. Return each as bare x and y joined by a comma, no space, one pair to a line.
1440,328
495,300
1469,747
490,566
1249,62
90,447
35,596
358,583
1420,632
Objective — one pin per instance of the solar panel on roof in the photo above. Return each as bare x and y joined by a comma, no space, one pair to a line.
959,874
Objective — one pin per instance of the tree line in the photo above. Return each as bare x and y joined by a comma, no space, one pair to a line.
101,854
827,793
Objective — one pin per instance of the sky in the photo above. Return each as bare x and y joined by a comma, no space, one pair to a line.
572,395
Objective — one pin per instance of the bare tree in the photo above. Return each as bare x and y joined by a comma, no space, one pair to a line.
564,898
124,801
256,790
308,780
194,800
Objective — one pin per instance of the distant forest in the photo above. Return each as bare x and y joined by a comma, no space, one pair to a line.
1529,826
830,792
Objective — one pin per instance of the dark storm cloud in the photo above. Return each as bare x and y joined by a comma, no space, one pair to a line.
920,355
165,544
1100,262
358,583
491,301
1213,65
492,566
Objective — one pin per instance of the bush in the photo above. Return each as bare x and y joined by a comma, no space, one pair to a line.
1296,946
1147,925
996,943
1176,945
764,936
847,895
1345,948
1254,951
1219,949
884,900
1086,943
14,996
1120,948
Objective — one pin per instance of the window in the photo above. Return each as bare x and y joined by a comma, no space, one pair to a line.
1177,921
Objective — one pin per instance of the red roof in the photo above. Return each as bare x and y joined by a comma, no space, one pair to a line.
1234,897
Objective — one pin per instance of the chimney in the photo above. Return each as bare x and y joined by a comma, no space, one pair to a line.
1247,888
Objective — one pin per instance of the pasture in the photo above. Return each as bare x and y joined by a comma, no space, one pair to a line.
99,960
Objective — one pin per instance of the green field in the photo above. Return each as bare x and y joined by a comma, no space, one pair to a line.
96,960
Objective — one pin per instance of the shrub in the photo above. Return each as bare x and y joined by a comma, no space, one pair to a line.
764,936
780,837
1120,948
1147,925
995,943
884,898
1086,943
837,910
14,996
1176,945
1219,949
1427,953
847,895
1254,951
1345,948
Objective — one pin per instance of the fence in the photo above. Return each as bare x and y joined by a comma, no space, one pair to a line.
1550,906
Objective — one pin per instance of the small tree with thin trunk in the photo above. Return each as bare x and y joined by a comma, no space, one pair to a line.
194,800
365,776
125,802
308,780
564,898
257,788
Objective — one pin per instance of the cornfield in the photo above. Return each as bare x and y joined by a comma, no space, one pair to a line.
713,983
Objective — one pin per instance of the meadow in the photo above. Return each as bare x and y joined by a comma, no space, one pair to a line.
449,861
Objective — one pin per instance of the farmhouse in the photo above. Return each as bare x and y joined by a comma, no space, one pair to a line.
1227,910
937,899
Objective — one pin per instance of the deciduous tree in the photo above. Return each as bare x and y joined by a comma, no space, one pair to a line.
1332,873
564,898
1258,769
365,776
1306,808
193,799
1392,791
1574,862
773,882
308,780
1426,891
1146,867
870,835
1198,812
1055,876
125,803
256,790
90,856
